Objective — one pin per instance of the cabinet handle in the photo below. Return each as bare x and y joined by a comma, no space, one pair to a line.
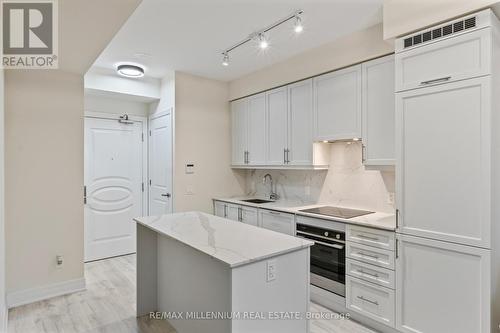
368,237
366,273
248,157
288,156
397,248
240,214
225,210
368,300
441,79
85,195
284,155
363,153
274,213
368,255
397,219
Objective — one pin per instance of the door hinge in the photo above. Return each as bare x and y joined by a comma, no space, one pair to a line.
84,195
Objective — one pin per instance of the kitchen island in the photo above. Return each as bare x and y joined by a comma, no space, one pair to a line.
208,274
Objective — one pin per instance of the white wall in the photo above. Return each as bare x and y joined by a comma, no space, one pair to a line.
3,307
167,95
404,16
114,105
44,177
203,137
354,48
346,183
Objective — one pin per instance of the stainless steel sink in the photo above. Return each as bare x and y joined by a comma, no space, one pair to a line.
257,201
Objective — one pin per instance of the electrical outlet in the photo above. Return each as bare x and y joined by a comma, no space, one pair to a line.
59,261
271,270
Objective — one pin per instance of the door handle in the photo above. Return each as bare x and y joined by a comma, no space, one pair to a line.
168,195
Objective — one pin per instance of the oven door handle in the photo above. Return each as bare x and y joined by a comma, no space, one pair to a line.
335,246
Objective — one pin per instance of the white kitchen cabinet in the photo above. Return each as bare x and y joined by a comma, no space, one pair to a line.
444,162
257,134
277,120
378,121
370,236
441,287
249,215
337,105
277,221
453,59
239,131
300,124
220,209
369,254
371,300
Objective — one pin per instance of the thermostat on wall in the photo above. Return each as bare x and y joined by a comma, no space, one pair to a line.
189,168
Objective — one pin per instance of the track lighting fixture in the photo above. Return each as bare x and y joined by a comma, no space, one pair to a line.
298,28
261,36
225,59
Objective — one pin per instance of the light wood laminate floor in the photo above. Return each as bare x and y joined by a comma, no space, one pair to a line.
108,305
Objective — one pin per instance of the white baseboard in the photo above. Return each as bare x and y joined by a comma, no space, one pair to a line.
27,296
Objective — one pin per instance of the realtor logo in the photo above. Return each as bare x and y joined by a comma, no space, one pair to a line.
29,34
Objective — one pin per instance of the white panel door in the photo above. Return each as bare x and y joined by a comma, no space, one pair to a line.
160,165
113,180
257,138
443,171
277,115
300,124
239,130
379,112
337,104
441,287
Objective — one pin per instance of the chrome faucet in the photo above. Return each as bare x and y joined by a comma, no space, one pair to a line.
272,195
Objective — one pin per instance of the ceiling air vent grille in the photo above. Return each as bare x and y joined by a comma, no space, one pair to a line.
440,32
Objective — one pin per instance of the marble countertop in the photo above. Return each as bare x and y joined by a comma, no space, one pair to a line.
232,243
379,220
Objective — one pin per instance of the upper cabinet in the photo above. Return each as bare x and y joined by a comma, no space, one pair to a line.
378,112
277,126
239,131
337,105
257,138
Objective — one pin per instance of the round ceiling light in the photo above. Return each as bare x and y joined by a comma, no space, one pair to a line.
130,70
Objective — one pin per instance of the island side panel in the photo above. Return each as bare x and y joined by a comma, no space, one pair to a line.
146,270
191,281
289,292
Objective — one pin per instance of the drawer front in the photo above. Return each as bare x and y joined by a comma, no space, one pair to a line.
456,58
372,237
370,300
378,275
249,215
277,221
370,255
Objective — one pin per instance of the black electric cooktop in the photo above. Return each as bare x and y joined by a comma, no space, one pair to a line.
344,213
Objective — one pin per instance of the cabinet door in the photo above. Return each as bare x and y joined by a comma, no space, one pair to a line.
239,121
277,114
441,287
443,171
337,105
300,139
233,212
277,221
257,142
378,111
249,215
220,208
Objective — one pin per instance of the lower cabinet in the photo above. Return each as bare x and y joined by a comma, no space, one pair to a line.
249,215
277,221
442,287
235,212
370,300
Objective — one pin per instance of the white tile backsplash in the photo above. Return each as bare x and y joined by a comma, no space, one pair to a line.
346,183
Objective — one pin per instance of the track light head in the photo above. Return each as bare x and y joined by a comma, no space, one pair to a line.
263,43
298,28
225,59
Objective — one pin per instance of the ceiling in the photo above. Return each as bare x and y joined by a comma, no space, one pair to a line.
189,35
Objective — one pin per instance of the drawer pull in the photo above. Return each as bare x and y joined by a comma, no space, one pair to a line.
369,274
273,212
375,239
368,300
368,255
441,79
